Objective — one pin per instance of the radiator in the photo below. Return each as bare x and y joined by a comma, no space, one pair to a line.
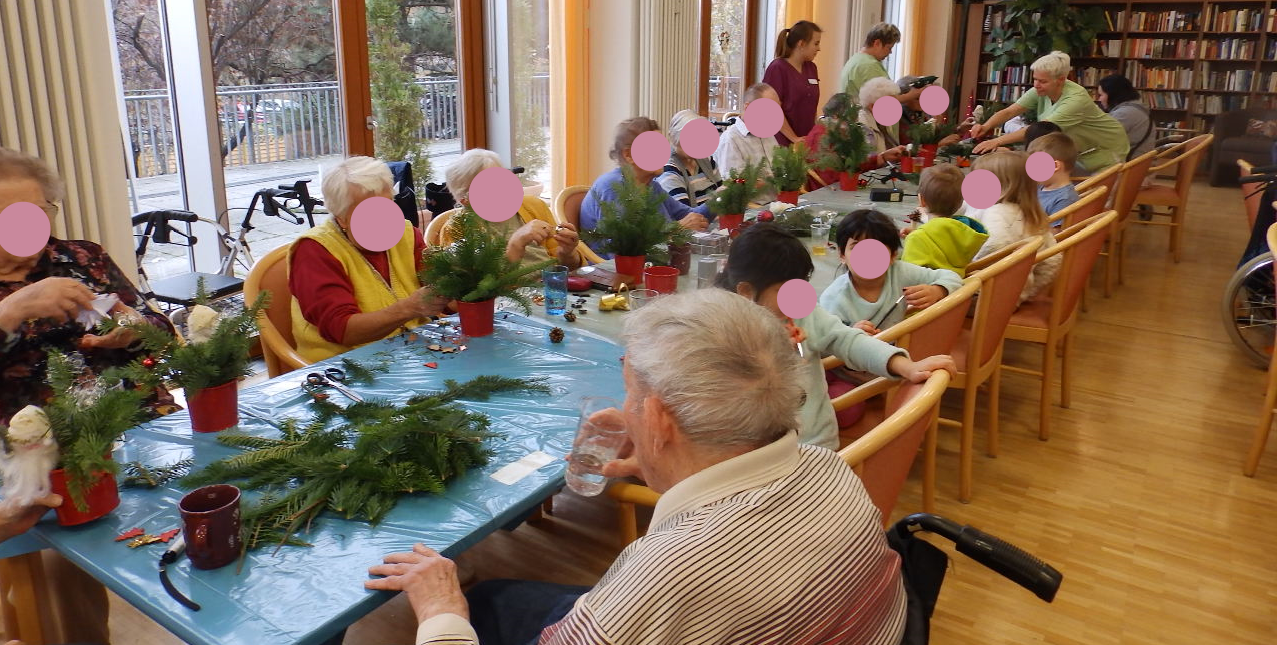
668,40
58,102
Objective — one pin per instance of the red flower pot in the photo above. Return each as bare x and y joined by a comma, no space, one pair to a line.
681,257
214,409
730,223
101,498
930,150
788,196
476,317
631,266
662,279
964,162
906,164
849,181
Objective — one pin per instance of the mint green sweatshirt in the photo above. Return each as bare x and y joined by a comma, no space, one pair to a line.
840,297
828,336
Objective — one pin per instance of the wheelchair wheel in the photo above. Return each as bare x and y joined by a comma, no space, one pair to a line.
1250,309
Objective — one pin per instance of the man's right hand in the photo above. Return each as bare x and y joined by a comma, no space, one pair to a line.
694,221
60,299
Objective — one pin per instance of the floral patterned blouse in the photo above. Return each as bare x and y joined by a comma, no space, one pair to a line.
23,353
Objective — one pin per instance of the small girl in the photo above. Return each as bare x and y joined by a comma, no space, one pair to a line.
766,256
1017,216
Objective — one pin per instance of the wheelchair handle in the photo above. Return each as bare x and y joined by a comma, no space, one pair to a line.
1007,559
1255,179
1264,170
164,216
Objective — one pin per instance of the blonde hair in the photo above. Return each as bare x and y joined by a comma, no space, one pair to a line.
370,176
15,164
1057,64
1017,188
941,187
626,132
466,168
1057,144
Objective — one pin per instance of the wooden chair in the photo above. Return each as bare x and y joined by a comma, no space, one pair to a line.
275,323
1184,158
25,602
1049,320
1090,205
1134,172
567,209
930,332
434,230
1270,396
1107,178
1250,195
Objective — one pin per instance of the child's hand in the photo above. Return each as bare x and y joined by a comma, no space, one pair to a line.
921,296
919,371
904,232
867,327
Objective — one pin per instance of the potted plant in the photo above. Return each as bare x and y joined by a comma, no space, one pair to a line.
959,152
739,189
928,135
845,148
789,171
474,272
632,226
1031,28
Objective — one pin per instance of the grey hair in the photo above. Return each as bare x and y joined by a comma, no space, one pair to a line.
876,88
677,123
723,366
16,164
344,181
755,91
466,168
1057,64
886,32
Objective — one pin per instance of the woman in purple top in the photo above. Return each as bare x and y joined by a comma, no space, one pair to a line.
793,76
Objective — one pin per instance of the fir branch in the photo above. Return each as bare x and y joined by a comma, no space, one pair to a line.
137,474
740,188
930,132
844,144
632,223
789,167
475,268
362,374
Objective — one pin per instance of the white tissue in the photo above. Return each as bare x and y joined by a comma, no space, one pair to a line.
100,308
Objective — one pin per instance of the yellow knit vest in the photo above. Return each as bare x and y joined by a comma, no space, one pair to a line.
372,293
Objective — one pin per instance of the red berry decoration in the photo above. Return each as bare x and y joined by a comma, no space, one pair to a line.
766,216
148,362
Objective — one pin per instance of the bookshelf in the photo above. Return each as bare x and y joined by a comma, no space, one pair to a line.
1189,60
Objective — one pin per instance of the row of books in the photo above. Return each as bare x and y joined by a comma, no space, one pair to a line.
1169,78
1162,48
1271,54
1216,103
1090,76
1198,124
1003,93
1236,80
1267,103
1165,21
993,18
1267,83
1019,74
1166,100
1111,48
1116,19
1221,19
1170,125
1230,48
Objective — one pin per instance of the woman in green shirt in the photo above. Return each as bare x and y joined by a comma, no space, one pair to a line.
1054,98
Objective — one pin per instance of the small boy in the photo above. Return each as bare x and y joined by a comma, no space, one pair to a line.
946,240
1057,192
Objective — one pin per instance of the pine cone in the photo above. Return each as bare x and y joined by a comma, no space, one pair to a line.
556,335
569,316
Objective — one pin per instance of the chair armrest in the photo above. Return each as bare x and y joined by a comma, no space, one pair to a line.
863,393
630,493
588,254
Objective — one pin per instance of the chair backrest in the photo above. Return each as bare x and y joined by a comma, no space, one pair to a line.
434,230
883,456
1108,177
275,323
1250,195
1189,159
1134,172
1091,204
934,330
1000,287
567,205
1080,247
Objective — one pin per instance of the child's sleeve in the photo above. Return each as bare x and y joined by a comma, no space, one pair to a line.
833,300
860,351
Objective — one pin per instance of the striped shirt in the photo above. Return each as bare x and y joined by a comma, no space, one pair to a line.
780,545
703,186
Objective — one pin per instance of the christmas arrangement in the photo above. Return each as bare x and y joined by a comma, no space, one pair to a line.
844,147
633,227
739,189
789,171
930,132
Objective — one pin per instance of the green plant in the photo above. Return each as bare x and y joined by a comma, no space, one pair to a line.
930,132
958,150
632,224
789,166
1032,28
739,189
475,268
844,146
396,97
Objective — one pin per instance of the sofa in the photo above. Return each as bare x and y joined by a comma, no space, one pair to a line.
1232,143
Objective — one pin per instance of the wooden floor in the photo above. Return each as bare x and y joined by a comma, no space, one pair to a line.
1138,497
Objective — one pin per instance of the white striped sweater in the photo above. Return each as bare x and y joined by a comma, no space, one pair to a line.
780,545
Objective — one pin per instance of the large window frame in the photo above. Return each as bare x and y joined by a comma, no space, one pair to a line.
751,53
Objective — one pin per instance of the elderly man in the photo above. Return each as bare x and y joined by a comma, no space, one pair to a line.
737,147
755,539
344,295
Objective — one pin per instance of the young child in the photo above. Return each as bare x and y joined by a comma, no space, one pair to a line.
1057,192
945,240
874,304
766,256
1017,215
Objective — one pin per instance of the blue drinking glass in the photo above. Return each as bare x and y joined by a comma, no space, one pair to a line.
556,289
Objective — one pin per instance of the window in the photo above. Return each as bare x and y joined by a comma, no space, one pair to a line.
727,47
530,88
895,12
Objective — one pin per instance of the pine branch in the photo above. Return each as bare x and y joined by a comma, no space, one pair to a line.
632,223
139,475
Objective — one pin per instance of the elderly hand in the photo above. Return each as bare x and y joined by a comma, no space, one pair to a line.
423,303
16,520
694,221
534,232
978,130
117,338
567,238
892,154
949,140
921,296
429,579
58,298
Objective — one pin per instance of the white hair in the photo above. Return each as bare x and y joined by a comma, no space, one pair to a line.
1057,64
15,164
723,366
876,88
677,123
353,179
466,167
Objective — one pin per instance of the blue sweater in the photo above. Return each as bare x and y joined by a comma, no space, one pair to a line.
841,299
604,190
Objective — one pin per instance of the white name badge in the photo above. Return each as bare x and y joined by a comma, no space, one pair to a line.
812,81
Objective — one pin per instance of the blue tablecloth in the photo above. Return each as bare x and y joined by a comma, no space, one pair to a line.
305,595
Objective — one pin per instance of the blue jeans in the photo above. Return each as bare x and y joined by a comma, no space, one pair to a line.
513,612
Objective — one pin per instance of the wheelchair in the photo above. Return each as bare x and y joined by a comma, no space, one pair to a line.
1249,307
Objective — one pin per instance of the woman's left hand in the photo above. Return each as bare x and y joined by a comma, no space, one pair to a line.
567,238
117,338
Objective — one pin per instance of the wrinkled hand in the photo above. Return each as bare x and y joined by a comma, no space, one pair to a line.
919,371
117,338
429,579
534,232
867,327
568,239
892,154
694,221
949,140
921,296
978,130
60,299
423,303
16,520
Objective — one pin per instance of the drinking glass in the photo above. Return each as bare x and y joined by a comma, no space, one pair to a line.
640,297
599,439
556,289
819,238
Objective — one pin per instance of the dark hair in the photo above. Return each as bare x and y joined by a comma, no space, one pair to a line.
802,31
1119,89
867,224
1039,129
763,255
838,105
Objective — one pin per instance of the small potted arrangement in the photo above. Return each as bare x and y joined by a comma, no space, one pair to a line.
789,171
959,152
473,271
928,135
73,434
632,227
740,188
845,149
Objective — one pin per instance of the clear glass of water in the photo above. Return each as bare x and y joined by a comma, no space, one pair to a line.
556,289
599,439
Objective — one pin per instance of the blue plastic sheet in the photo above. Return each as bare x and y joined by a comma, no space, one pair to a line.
305,595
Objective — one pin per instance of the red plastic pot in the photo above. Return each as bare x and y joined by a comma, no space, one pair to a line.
102,498
631,266
849,181
731,222
214,409
930,150
476,317
906,164
788,196
662,279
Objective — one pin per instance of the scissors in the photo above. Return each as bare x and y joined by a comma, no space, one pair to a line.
332,377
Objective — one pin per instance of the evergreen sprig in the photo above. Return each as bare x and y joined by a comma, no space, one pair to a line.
363,374
844,146
359,469
930,132
739,189
474,268
632,224
789,166
137,474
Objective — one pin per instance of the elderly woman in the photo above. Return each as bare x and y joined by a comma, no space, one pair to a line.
344,295
604,188
1100,138
837,110
886,138
712,401
42,295
533,236
691,181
